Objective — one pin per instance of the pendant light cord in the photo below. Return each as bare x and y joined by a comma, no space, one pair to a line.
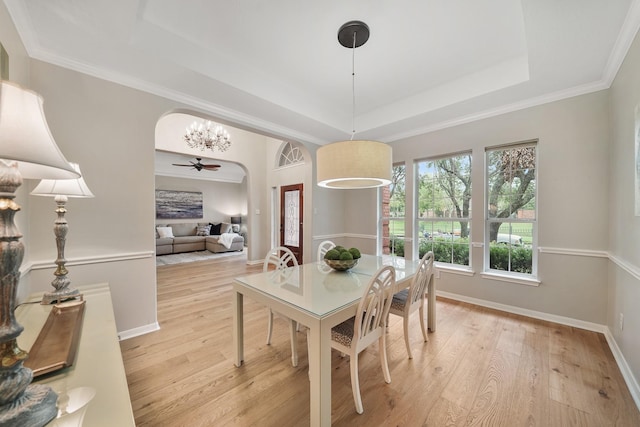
353,87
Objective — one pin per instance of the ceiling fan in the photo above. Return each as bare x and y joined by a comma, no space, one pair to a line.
199,166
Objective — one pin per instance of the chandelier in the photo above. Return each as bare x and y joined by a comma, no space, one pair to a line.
203,136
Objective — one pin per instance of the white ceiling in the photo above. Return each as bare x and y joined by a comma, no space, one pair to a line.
277,67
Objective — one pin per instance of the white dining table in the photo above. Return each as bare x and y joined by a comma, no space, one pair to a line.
319,298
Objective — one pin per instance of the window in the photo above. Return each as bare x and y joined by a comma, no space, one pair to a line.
393,213
290,154
444,208
511,209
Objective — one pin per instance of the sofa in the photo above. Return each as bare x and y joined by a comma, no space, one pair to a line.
191,236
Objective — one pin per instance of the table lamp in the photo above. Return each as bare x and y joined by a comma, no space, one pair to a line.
235,223
62,189
27,149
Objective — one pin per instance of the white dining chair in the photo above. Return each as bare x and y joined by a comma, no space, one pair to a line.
366,327
323,248
407,301
280,258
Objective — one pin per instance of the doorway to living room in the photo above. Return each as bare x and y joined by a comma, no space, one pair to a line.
199,214
263,162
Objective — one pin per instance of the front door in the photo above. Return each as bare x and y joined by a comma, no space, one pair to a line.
291,198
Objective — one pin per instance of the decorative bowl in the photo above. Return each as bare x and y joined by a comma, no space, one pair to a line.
340,264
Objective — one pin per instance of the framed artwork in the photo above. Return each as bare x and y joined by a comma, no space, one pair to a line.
4,63
637,159
178,204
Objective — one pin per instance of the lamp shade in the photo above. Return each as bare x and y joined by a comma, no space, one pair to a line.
236,219
63,187
25,136
354,164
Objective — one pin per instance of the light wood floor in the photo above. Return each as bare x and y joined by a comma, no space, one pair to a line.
481,367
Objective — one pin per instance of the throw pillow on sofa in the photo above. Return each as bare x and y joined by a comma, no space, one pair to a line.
203,230
215,229
165,231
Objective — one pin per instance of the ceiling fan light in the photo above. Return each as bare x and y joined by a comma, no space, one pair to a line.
199,165
354,164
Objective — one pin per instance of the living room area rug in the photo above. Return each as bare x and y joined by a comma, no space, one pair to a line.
195,256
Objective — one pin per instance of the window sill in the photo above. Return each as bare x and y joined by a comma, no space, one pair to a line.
520,280
454,270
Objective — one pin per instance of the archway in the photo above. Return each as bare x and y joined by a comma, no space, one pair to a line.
256,154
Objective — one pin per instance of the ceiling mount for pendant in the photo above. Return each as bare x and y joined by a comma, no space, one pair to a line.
346,34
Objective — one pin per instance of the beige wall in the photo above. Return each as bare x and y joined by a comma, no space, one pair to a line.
573,139
109,130
18,58
623,225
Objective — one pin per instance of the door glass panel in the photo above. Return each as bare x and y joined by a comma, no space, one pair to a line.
291,218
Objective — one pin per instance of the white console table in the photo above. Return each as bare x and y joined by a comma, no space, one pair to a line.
98,361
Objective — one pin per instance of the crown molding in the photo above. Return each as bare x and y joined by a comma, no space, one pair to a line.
623,43
233,116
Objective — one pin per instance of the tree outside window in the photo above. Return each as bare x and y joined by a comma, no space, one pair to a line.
511,209
444,208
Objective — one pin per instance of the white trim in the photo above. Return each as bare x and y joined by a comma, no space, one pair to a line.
210,178
517,106
595,327
511,278
289,166
575,252
141,330
97,259
96,289
26,267
328,237
449,268
627,374
238,118
623,43
359,236
629,268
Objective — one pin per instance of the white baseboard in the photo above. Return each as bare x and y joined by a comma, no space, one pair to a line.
141,330
629,379
526,312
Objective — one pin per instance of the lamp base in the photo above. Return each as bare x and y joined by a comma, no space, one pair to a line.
35,407
60,295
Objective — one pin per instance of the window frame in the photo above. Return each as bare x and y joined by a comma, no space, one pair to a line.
289,154
418,220
508,275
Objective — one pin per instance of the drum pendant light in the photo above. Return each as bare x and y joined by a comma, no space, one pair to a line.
360,163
